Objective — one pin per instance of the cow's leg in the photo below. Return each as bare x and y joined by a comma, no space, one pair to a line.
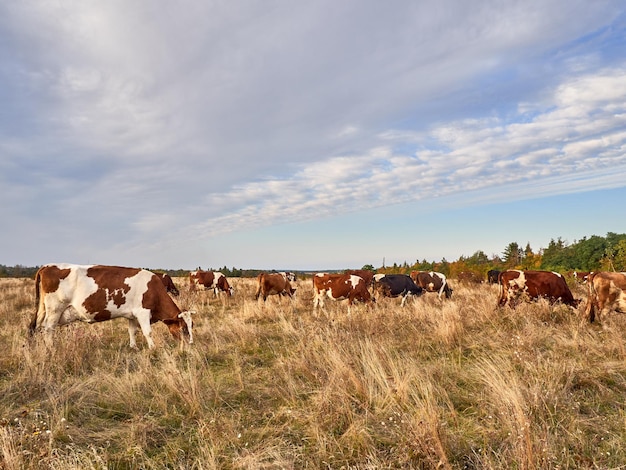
316,300
404,297
143,320
49,318
440,293
133,326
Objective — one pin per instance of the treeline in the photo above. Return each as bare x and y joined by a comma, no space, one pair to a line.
588,254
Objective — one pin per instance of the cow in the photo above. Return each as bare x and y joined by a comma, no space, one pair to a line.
492,276
291,277
607,292
169,284
365,274
432,282
397,285
469,277
534,284
581,276
273,284
210,280
65,293
339,287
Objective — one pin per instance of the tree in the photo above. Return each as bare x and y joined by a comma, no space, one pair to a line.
530,261
556,257
512,255
587,253
478,258
619,261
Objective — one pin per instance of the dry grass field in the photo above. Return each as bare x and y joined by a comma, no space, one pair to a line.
451,384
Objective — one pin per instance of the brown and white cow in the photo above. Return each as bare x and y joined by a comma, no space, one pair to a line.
291,277
581,276
366,274
607,292
273,284
66,293
210,280
432,282
339,287
516,284
168,282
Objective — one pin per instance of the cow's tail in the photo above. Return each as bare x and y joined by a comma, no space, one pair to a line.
33,322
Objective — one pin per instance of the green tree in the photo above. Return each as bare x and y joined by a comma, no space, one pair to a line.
587,253
512,255
557,257
619,261
479,258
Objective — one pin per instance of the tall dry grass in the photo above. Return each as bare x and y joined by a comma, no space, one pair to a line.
451,384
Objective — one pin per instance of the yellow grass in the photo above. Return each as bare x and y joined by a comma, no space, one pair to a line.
449,384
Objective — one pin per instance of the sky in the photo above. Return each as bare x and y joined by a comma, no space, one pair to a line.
307,135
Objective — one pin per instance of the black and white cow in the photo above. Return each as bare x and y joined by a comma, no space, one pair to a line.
397,285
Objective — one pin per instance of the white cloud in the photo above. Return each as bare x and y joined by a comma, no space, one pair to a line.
462,158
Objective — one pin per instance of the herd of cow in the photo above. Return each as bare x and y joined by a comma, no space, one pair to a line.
66,293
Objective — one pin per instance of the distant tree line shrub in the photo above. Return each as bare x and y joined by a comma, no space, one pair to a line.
587,254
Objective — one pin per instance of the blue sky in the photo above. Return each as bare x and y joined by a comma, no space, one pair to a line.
319,135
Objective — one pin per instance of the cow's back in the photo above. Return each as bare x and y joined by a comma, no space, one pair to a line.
535,285
607,292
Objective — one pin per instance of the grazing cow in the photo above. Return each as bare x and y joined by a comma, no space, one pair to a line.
65,293
340,287
273,284
469,277
365,274
534,284
397,285
210,280
291,277
169,284
432,282
581,276
492,276
607,292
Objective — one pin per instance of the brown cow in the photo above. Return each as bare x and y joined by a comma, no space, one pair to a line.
366,274
607,292
581,276
469,277
273,284
210,280
534,284
340,287
66,293
168,282
432,282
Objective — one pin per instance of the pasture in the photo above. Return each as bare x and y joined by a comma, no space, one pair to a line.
453,384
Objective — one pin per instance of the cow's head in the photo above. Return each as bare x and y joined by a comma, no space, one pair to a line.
182,327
